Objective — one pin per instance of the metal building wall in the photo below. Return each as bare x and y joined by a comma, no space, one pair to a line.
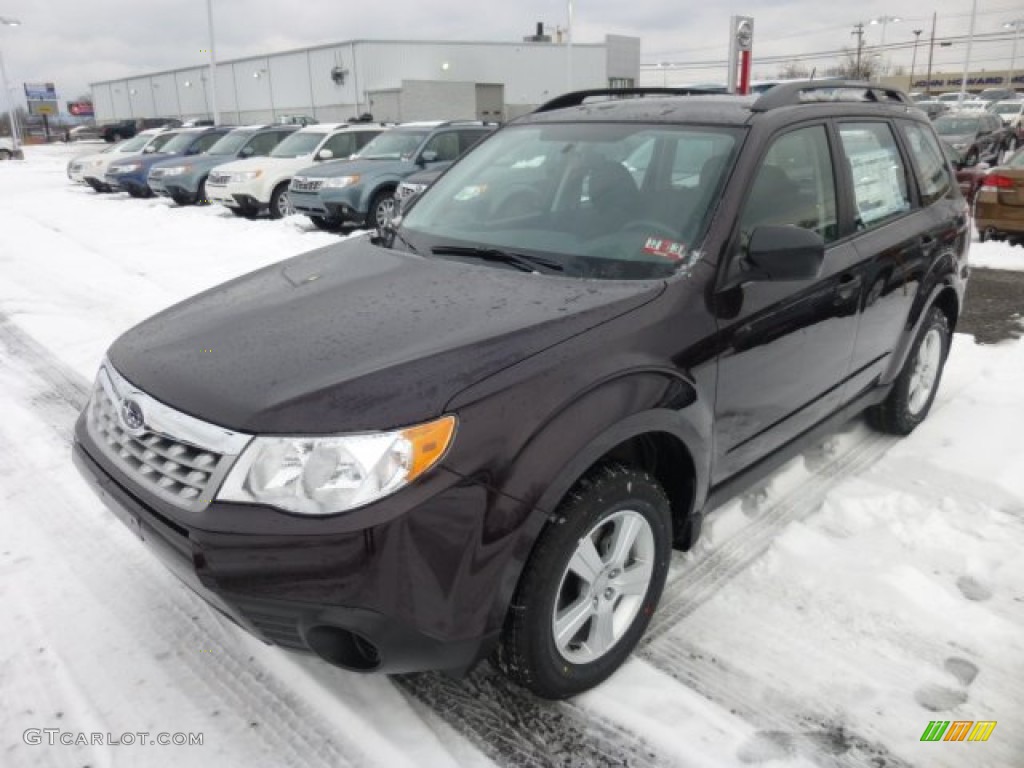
257,89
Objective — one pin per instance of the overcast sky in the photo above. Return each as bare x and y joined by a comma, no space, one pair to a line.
75,42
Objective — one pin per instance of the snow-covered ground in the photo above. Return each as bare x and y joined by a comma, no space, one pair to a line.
873,585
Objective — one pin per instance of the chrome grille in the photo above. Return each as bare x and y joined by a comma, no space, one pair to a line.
76,167
303,184
185,473
218,179
156,173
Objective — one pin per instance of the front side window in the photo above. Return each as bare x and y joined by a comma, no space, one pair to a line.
932,168
877,171
179,143
794,186
445,147
341,145
567,193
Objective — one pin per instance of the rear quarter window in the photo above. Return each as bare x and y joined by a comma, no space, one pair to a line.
933,174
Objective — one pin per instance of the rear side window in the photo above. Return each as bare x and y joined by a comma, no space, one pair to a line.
932,170
877,170
467,138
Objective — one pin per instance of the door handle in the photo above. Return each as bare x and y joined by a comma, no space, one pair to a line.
849,286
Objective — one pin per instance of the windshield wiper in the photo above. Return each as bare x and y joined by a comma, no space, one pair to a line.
522,261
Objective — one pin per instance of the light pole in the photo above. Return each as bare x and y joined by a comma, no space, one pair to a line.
11,115
913,59
1016,25
884,21
967,56
568,47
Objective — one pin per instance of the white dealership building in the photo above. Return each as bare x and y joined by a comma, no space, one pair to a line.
391,79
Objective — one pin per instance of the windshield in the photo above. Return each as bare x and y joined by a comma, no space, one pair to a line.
134,144
393,145
608,201
956,126
298,144
230,143
179,143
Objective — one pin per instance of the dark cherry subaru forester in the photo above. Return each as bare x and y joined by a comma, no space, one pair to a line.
484,431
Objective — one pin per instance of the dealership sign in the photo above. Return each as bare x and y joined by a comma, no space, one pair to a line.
80,108
41,98
955,82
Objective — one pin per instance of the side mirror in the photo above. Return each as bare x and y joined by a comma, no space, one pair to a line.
324,154
247,152
785,253
148,150
430,156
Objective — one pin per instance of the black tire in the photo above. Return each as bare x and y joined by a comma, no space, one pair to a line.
201,198
277,210
140,193
899,414
382,209
528,652
115,137
327,225
5,154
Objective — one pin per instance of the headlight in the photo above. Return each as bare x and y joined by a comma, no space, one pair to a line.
245,176
176,170
326,475
337,182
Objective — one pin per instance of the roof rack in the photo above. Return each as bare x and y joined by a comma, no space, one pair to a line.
789,94
576,98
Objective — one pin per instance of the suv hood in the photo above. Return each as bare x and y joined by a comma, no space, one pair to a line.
354,337
362,167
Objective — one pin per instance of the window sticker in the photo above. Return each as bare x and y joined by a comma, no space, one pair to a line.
665,249
876,185
470,192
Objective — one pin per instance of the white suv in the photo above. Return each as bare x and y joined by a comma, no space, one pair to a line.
255,184
92,168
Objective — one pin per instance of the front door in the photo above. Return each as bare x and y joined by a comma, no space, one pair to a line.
785,347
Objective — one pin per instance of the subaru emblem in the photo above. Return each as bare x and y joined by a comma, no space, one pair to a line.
131,415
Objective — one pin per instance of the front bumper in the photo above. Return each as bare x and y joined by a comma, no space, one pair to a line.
224,195
340,205
127,182
176,187
410,594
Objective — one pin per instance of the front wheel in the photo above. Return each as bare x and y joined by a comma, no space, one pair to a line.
591,584
280,204
914,390
382,210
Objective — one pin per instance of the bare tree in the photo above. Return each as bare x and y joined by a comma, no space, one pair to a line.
851,69
793,70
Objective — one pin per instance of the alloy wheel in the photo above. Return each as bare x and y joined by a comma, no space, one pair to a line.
926,371
603,587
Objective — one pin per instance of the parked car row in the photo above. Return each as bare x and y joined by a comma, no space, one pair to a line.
338,174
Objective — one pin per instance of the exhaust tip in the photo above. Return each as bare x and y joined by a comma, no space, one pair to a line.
343,648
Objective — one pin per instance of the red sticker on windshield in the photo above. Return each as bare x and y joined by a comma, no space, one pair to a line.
666,249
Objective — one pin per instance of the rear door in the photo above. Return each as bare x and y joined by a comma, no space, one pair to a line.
894,237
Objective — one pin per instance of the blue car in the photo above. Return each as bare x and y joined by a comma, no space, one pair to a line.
130,175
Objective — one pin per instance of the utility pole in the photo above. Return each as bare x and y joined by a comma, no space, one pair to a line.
913,60
213,64
858,30
931,50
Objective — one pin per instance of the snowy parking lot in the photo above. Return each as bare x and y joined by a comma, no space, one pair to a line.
871,586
